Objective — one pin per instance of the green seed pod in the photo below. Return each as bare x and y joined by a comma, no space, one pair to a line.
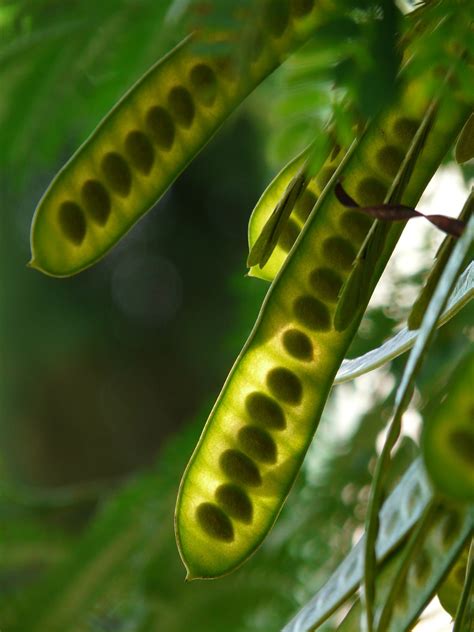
447,438
281,379
450,591
300,213
404,509
465,146
355,225
148,138
262,212
398,610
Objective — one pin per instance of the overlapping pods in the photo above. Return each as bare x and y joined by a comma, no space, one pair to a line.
263,421
407,593
448,437
150,136
401,596
303,207
305,203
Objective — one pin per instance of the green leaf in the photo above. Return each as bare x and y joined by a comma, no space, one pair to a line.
434,548
266,205
402,399
462,293
409,579
357,288
266,242
442,256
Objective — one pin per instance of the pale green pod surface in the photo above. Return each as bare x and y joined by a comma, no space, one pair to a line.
259,430
442,546
149,137
425,567
303,207
447,438
305,204
450,591
465,145
405,510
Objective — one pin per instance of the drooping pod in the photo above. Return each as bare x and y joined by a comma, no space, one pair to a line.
447,438
264,419
150,136
275,191
399,515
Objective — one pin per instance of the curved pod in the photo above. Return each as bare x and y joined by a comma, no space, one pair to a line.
283,375
390,158
447,438
148,138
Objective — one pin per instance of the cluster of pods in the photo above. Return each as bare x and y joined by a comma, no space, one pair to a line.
264,419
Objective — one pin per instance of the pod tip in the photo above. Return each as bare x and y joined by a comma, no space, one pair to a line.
32,264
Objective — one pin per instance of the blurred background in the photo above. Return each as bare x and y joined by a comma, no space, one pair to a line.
108,377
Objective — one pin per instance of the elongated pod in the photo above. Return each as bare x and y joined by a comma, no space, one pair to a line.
150,136
264,419
275,191
448,437
450,590
442,545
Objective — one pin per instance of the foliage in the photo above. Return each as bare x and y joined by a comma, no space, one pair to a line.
96,551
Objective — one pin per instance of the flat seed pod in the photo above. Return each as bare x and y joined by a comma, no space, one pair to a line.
293,375
148,138
465,146
447,438
400,512
303,206
389,159
436,544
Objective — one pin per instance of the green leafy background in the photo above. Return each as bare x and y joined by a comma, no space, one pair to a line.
107,378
